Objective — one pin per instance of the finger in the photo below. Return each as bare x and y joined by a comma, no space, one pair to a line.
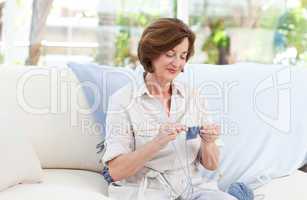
208,139
173,136
207,131
207,135
213,126
218,129
166,127
181,128
213,136
203,131
210,135
174,131
206,126
178,128
171,130
216,132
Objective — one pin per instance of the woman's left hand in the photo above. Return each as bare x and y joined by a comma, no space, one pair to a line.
209,133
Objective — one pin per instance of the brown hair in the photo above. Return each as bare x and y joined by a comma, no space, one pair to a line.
161,36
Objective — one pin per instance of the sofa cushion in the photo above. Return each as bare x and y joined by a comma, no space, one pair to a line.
103,81
61,185
19,162
49,106
39,192
261,110
285,188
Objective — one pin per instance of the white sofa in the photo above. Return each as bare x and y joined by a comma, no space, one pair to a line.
47,106
64,139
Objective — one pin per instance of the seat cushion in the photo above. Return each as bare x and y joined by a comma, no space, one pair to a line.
60,184
16,151
285,188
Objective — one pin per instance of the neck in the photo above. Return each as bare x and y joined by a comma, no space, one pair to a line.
156,86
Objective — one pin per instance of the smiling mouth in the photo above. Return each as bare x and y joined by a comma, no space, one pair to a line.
173,71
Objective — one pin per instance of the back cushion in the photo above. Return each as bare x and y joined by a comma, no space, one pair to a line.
263,118
99,83
48,106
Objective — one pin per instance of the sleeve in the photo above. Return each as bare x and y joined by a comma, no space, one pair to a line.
119,136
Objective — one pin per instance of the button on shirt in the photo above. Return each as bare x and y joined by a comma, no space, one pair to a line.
133,119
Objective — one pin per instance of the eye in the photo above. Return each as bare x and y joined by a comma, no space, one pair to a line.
170,54
183,56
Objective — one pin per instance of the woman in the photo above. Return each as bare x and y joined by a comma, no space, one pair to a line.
147,153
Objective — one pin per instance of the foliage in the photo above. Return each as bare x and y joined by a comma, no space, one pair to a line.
19,3
122,46
217,41
269,18
175,5
125,22
198,20
292,32
134,19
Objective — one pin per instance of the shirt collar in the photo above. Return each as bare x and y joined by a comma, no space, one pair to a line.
177,87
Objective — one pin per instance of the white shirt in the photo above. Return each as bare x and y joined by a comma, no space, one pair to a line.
133,119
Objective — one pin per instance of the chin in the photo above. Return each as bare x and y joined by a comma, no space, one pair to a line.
170,77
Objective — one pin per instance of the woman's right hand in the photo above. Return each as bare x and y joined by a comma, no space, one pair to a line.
168,132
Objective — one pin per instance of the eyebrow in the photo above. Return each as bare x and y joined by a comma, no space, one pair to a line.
185,52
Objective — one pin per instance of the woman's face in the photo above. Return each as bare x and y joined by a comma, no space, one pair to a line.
169,64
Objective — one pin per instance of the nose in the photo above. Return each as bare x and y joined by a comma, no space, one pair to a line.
177,62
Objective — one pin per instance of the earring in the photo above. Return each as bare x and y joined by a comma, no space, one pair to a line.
182,70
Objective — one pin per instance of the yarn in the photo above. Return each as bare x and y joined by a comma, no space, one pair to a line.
192,132
241,191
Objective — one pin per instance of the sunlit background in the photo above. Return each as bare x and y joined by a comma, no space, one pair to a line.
54,32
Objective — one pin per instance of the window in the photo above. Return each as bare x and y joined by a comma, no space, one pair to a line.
249,30
101,31
107,32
